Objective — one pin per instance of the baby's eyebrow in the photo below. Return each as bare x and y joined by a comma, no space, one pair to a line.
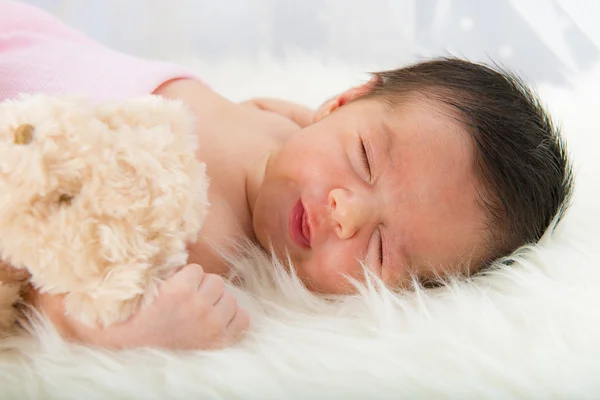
388,141
397,257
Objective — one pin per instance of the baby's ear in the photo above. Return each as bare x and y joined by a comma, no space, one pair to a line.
343,98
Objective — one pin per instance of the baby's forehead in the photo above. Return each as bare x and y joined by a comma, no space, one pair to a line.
412,106
393,116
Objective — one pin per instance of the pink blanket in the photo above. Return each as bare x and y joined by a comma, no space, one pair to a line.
40,54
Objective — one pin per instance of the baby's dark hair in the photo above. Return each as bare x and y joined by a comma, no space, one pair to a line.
520,159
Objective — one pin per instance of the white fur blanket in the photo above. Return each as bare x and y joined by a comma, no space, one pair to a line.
531,330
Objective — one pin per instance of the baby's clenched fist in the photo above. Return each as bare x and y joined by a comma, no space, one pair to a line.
193,310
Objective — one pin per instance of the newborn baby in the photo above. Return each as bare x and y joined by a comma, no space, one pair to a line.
426,171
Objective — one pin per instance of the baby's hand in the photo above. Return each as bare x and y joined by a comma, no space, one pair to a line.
192,311
299,114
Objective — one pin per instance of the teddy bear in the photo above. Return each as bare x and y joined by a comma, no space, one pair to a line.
98,201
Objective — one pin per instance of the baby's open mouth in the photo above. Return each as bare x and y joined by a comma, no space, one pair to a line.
299,229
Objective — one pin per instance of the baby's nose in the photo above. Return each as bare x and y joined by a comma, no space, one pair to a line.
347,212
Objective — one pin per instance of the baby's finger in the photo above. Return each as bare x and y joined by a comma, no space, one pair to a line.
226,307
239,325
191,274
325,109
211,289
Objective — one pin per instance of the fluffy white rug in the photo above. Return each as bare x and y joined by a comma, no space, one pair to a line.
531,330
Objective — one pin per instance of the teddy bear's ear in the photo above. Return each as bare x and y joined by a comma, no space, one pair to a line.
24,134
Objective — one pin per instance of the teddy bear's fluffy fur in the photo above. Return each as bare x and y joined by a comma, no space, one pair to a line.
97,201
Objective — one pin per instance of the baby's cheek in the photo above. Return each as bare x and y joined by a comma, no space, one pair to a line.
330,270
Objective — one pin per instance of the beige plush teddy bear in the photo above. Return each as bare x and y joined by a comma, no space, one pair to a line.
97,201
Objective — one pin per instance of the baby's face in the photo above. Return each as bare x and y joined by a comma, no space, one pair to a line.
395,189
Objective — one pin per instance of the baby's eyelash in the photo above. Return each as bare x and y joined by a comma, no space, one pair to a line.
365,156
380,248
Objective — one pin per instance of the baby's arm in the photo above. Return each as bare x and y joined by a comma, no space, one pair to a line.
192,311
301,115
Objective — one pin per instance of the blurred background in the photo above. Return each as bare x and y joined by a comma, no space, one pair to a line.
546,41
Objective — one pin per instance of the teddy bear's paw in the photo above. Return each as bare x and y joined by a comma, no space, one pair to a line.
101,310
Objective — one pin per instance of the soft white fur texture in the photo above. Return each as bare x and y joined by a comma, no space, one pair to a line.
531,330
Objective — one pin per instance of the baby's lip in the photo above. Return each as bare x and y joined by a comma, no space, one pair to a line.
306,226
298,227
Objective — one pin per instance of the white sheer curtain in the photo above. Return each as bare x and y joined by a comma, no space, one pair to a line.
545,40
